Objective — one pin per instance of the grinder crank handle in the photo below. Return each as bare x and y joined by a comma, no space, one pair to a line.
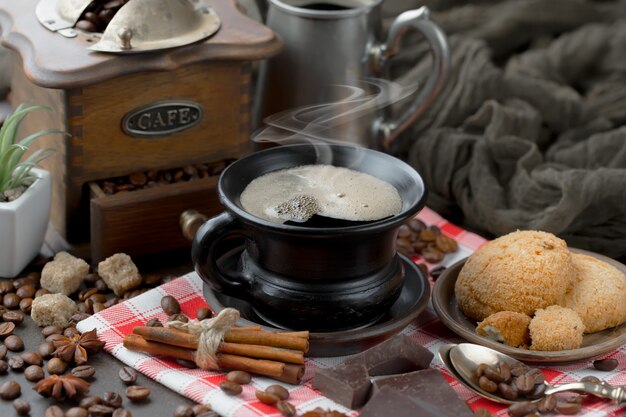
386,131
205,253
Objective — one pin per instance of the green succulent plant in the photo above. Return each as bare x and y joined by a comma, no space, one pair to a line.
15,171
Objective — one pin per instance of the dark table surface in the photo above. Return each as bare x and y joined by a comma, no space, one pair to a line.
162,401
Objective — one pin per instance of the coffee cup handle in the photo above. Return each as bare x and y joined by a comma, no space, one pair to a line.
419,19
205,253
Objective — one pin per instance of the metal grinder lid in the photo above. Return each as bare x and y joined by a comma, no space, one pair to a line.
139,25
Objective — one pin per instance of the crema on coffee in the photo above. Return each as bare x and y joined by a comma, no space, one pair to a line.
297,194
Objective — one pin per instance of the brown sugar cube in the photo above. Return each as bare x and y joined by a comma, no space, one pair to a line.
52,310
119,273
64,274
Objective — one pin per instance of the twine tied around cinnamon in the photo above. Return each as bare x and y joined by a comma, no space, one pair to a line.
210,334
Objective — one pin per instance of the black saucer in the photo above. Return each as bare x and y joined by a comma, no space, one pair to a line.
412,301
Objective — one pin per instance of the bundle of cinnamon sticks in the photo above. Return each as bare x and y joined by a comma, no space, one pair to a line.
277,355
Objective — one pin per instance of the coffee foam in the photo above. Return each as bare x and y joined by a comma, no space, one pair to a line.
296,194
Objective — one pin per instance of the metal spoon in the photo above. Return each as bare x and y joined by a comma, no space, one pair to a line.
463,360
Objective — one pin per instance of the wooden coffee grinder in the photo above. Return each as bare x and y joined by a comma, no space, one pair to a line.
165,85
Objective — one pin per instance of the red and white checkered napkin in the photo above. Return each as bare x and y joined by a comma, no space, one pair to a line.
203,386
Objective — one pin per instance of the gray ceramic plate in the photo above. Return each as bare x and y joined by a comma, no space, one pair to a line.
412,301
595,344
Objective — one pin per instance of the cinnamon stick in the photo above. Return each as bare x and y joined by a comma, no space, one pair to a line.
289,373
181,338
262,352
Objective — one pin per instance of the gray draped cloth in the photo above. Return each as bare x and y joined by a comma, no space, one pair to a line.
532,138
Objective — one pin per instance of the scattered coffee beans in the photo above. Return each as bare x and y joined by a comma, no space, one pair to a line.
11,301
112,399
16,363
22,407
137,393
3,351
606,365
239,377
32,358
154,322
77,412
522,409
15,316
204,313
286,408
34,373
10,390
278,390
6,329
4,367
56,366
184,411
198,409
14,343
231,388
54,411
122,412
100,410
170,305
178,317
83,371
50,330
46,349
128,375
88,402
415,238
267,398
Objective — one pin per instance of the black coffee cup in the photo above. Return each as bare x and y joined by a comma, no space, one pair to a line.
319,278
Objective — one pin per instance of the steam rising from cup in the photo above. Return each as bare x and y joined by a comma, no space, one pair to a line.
332,122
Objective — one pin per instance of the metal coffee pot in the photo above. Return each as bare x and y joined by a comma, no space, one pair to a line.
341,42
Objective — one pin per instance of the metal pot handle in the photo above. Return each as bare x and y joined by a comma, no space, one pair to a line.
386,131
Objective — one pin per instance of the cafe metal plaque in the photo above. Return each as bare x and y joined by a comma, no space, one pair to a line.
162,118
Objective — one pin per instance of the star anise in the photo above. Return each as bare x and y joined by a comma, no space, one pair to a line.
61,387
77,347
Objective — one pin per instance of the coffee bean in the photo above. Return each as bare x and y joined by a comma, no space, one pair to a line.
151,280
98,307
6,287
537,392
128,375
10,390
50,330
138,179
26,291
3,351
494,374
432,255
84,371
32,358
54,411
46,349
184,410
507,391
137,393
201,408
519,369
547,404
79,317
437,271
14,316
40,292
267,398
239,377
77,412
90,401
71,332
22,407
6,329
14,343
231,388
178,317
209,413
122,412
31,279
522,409
154,322
204,313
487,384
286,408
569,408
56,366
606,365
112,399
86,25
34,373
101,410
537,375
26,305
170,305
98,298
482,412
4,367
16,363
592,379
11,301
278,390
101,285
525,383
111,302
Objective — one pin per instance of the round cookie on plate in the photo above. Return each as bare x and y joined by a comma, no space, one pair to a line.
522,271
598,294
556,328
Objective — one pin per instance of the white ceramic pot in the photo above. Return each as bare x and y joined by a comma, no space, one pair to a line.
23,224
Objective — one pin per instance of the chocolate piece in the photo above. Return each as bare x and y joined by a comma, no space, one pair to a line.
427,386
397,355
389,402
348,385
